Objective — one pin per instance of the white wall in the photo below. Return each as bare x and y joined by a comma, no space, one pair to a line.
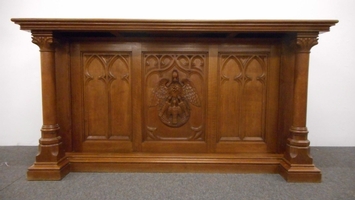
331,113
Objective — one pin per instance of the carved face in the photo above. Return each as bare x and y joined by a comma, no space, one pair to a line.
175,75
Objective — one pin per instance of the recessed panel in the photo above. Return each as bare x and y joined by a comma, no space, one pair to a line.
242,97
107,96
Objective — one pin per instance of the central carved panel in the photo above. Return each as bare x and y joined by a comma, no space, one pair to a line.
174,96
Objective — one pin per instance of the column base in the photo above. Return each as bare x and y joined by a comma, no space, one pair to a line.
48,171
300,172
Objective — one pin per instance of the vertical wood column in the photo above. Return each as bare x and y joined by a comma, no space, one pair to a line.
297,155
51,163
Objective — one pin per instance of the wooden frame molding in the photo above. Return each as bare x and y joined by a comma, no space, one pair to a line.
222,96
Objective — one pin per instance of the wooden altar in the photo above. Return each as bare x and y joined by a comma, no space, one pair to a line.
174,96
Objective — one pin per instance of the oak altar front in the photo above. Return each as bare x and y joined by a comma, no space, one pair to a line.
174,96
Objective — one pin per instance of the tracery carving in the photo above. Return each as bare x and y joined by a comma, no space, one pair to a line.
107,95
242,94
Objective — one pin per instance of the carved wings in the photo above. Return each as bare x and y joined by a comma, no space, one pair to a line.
189,93
161,93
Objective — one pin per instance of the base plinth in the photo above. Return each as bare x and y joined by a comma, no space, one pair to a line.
48,171
300,173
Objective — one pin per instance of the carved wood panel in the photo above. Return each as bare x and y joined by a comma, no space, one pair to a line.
174,104
242,97
107,95
168,98
247,91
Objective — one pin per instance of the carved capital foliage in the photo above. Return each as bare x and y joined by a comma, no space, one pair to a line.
44,41
304,44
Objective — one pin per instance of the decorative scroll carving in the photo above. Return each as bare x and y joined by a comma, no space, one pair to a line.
174,96
196,134
242,101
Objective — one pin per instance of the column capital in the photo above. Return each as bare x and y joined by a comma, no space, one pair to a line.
305,41
44,40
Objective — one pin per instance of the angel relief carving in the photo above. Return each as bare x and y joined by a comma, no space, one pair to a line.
173,98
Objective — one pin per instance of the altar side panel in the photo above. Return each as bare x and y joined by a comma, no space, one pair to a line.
107,96
102,90
247,99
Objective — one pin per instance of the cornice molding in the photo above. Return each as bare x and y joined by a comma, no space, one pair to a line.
48,24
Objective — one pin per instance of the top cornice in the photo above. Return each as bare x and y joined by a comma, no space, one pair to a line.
52,24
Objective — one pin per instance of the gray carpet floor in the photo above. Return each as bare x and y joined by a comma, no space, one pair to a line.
337,165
